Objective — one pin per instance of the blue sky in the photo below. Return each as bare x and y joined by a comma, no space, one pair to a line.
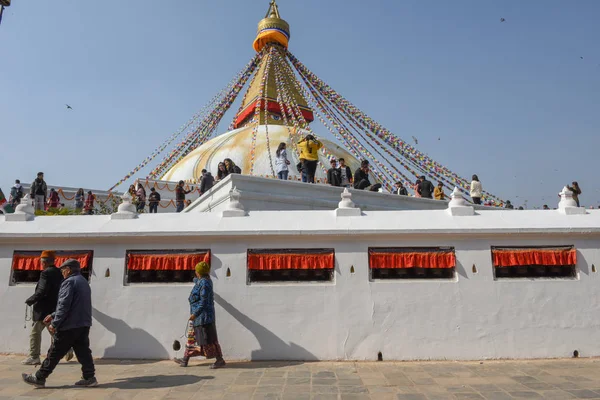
512,102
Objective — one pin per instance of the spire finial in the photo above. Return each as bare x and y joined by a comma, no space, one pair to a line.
273,11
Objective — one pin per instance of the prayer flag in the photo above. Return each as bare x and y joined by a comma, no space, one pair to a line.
1,11
2,198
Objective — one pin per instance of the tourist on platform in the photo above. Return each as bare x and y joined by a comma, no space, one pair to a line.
476,190
426,188
231,167
417,187
334,175
281,162
509,205
16,194
70,325
221,171
400,189
346,173
206,182
202,310
153,201
438,192
521,208
180,193
309,156
141,196
44,301
88,207
576,191
545,207
361,178
79,200
39,192
53,199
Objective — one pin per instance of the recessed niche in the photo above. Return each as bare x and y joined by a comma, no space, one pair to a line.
474,269
352,269
593,268
379,356
228,272
107,273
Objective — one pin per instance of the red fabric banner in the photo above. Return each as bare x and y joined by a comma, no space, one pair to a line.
275,261
532,256
31,262
165,262
413,259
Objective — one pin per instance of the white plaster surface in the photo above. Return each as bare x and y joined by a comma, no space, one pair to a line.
351,318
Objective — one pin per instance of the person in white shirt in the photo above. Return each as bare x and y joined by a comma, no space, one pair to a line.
281,162
476,190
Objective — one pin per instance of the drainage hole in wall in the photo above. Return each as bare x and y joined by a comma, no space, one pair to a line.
228,272
352,269
576,354
474,269
379,356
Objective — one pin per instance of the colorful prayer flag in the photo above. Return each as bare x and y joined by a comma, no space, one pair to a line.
2,198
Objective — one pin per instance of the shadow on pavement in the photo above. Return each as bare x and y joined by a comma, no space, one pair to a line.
154,382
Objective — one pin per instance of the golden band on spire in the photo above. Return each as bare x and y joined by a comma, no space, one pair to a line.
272,29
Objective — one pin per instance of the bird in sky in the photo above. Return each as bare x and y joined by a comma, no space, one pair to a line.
415,139
68,107
581,58
502,20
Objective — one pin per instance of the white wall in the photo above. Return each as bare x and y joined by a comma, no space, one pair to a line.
473,317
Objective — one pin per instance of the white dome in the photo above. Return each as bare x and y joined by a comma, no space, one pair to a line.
237,145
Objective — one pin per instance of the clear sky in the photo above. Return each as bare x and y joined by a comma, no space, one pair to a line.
511,101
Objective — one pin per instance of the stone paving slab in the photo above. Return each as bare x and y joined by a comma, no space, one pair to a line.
164,380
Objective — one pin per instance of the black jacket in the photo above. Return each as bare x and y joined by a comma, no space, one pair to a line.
46,293
207,182
426,189
360,175
334,177
402,191
154,198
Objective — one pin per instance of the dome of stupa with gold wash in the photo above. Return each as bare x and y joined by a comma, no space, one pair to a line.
237,145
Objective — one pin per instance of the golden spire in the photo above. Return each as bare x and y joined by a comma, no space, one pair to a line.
272,29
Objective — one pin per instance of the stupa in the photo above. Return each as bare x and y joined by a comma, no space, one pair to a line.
282,102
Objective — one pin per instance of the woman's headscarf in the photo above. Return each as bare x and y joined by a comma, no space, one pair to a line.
202,268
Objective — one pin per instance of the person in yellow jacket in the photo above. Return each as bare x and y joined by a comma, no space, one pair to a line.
438,192
309,156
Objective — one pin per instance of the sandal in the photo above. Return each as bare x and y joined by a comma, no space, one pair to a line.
182,362
218,364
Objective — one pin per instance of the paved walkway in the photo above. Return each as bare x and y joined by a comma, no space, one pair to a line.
491,380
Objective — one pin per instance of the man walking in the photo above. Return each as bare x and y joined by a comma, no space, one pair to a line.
44,303
70,325
39,192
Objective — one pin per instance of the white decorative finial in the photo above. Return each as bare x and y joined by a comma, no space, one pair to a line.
567,204
126,209
23,212
346,207
235,208
458,206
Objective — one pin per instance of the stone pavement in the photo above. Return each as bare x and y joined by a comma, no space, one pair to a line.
149,380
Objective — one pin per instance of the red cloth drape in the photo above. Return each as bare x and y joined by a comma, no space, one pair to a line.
166,262
284,261
412,259
532,256
31,262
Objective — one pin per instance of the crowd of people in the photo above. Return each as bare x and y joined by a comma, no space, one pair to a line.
62,305
339,174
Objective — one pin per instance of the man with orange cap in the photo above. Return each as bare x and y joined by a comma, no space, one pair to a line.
44,302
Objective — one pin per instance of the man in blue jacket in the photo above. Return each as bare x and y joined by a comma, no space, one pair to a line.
70,324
